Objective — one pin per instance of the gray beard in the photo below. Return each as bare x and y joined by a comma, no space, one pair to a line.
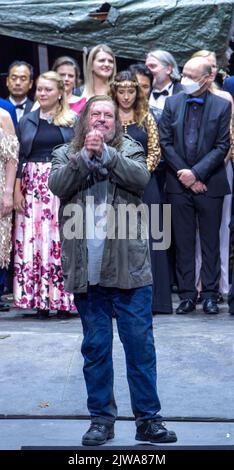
109,136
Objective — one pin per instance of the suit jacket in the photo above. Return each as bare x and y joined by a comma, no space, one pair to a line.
28,106
177,87
26,131
4,104
213,143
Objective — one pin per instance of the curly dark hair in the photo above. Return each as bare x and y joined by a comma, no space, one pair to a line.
140,105
82,125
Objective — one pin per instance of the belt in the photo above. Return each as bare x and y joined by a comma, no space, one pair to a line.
38,159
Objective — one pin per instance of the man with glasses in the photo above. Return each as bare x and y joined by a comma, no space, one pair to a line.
195,138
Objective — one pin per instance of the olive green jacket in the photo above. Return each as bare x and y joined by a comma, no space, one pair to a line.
125,261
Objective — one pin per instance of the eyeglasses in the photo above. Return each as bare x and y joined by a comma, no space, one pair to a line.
197,79
97,115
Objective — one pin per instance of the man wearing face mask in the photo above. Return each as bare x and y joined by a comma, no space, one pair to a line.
195,138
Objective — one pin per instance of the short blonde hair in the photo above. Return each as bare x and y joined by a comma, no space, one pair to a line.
64,115
204,53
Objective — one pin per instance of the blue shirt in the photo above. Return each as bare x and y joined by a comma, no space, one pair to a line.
11,110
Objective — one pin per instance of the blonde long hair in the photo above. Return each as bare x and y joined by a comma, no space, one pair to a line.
64,116
88,68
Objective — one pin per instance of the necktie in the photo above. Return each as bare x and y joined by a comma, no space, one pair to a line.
156,94
20,106
195,100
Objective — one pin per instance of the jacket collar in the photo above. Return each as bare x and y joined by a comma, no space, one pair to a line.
34,116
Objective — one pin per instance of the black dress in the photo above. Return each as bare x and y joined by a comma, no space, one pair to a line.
162,302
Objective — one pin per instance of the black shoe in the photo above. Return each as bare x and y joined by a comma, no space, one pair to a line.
65,315
98,434
154,431
220,298
210,306
4,307
174,288
186,306
156,312
42,314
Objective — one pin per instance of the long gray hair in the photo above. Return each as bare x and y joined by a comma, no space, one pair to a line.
82,125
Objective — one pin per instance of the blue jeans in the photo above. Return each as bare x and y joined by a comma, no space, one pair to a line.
134,322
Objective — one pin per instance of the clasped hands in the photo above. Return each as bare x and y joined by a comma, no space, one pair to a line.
188,179
94,143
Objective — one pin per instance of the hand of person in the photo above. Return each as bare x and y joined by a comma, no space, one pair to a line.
6,203
186,177
94,143
19,201
198,187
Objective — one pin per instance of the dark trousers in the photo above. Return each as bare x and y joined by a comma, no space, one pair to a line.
231,295
161,301
134,322
3,278
188,209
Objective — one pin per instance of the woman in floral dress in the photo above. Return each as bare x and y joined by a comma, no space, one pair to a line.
38,280
8,164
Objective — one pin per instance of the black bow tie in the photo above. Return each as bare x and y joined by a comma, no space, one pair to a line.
156,94
196,100
20,106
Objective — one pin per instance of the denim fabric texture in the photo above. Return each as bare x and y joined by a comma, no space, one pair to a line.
132,308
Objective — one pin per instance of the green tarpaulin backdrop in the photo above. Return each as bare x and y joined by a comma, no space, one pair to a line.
131,28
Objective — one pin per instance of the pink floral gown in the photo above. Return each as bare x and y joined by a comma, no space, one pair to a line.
8,151
38,279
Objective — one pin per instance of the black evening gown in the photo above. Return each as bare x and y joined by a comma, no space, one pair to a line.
162,302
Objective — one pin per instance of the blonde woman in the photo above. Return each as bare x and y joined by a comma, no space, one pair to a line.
99,72
8,165
38,280
227,204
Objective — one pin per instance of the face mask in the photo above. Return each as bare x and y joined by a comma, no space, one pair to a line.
189,86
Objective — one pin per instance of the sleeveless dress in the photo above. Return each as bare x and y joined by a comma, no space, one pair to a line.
38,278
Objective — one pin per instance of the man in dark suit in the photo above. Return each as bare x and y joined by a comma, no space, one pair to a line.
19,82
195,138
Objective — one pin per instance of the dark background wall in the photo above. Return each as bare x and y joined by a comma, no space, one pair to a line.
17,49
